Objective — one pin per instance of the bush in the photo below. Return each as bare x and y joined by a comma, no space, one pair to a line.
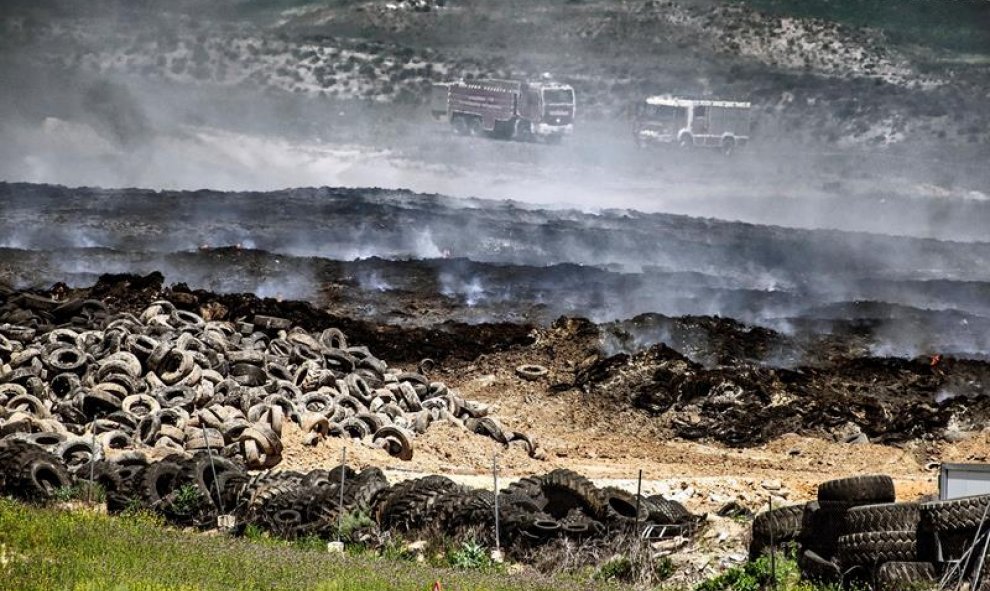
471,556
617,568
760,574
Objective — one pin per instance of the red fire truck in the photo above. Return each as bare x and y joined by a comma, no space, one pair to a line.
506,109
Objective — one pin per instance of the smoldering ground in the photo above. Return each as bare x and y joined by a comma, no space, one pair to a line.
87,122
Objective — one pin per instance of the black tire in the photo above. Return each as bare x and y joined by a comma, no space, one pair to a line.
859,490
529,486
621,507
954,515
200,472
882,517
781,524
361,492
410,504
102,473
817,569
897,576
870,549
158,481
36,476
565,490
821,526
669,512
475,508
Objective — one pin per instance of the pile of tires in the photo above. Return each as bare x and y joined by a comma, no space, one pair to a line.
193,490
857,536
81,381
531,511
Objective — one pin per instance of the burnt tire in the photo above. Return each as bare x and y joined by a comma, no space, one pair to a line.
897,576
859,490
566,490
882,517
869,549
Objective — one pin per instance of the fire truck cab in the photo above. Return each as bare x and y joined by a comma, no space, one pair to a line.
689,123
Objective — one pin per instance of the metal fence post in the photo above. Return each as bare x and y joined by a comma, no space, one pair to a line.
340,506
498,544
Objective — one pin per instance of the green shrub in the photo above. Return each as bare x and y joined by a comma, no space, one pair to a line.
471,555
617,568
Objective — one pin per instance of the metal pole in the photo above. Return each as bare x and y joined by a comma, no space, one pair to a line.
213,468
773,550
340,505
978,571
498,541
92,469
639,493
983,555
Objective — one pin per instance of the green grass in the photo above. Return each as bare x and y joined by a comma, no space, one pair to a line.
52,549
958,25
758,575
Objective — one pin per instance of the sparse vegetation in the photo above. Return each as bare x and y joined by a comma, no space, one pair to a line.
782,574
960,26
141,554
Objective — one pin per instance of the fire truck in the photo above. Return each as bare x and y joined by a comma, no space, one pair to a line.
506,109
689,123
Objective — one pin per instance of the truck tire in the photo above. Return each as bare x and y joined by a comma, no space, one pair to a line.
858,490
874,548
728,146
955,515
895,576
459,124
474,126
524,130
882,517
782,524
565,490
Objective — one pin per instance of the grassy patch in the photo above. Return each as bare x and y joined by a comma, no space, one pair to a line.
758,575
45,549
959,25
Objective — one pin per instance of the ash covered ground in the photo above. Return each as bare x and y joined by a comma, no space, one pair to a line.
815,306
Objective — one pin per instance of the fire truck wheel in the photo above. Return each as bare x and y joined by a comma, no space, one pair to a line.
685,142
460,125
474,126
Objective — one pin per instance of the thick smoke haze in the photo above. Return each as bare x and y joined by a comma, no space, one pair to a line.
82,107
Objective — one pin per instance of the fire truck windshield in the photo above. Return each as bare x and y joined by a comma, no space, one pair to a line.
558,96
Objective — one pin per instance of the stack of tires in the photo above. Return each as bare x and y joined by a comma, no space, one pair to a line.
954,525
855,535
